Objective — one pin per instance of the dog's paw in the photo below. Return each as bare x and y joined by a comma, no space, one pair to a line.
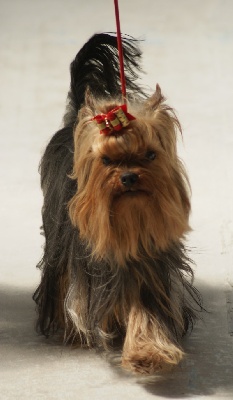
148,361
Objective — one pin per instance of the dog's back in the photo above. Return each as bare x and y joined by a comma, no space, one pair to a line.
95,68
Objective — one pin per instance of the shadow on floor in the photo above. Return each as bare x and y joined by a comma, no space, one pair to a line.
208,368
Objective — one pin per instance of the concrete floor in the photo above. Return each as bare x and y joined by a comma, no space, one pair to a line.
188,50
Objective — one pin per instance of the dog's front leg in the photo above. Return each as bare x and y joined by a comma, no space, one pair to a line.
147,348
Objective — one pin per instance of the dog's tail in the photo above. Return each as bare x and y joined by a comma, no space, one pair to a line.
96,66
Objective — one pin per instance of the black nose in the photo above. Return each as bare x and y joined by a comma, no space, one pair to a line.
129,179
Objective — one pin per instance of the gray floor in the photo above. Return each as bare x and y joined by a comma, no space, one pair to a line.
188,50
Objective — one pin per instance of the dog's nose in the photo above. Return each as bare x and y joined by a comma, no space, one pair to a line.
128,179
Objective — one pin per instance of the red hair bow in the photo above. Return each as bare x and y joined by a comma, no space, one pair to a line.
114,120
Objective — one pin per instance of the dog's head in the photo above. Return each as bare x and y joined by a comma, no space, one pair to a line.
132,195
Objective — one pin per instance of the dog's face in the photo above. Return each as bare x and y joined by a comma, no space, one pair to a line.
132,189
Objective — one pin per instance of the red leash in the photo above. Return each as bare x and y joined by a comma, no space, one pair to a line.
118,118
120,51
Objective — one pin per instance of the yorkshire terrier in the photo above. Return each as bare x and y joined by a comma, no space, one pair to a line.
115,268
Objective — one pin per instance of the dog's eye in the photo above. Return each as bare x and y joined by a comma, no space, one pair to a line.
150,155
106,160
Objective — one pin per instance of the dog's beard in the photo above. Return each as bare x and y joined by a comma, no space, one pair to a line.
120,225
134,227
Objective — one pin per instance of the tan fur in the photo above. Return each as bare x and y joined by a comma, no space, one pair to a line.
121,226
147,347
157,215
116,272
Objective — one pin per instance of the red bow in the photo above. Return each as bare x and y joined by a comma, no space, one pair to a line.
114,120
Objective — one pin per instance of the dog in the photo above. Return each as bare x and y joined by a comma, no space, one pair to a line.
116,273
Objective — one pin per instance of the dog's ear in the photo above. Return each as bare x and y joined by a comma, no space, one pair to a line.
166,122
89,100
88,108
155,100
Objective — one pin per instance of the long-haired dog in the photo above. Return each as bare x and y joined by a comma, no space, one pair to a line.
116,211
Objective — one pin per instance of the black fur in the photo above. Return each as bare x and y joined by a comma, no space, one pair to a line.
104,289
96,67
